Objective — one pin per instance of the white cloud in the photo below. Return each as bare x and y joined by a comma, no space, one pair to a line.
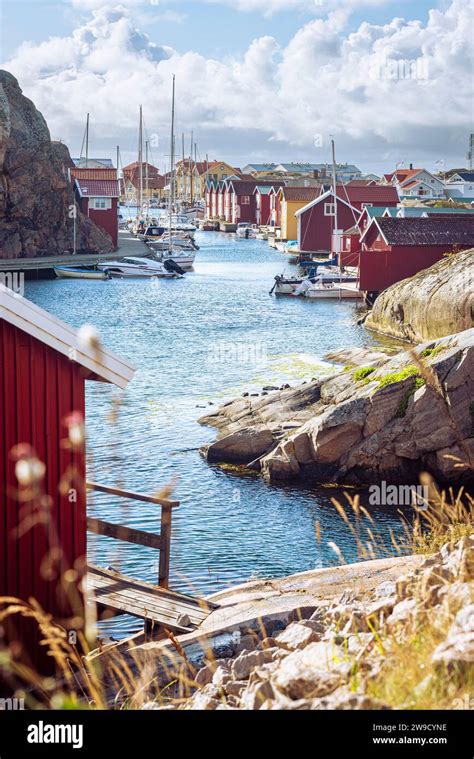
274,100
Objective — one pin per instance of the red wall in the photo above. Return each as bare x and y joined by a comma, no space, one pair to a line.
108,219
247,212
39,388
378,269
265,212
315,229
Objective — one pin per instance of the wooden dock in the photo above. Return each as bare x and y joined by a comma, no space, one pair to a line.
114,594
128,246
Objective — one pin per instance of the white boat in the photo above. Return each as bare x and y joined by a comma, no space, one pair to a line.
133,266
322,290
288,285
246,230
177,223
183,258
80,272
175,242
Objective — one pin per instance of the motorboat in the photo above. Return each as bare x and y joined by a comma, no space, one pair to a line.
134,266
81,272
322,290
287,285
185,259
151,232
246,230
173,242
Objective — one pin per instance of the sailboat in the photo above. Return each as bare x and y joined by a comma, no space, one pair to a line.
166,247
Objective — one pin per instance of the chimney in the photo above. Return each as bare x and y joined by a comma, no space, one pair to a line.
411,167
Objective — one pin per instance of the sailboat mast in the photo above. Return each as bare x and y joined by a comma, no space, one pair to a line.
140,161
334,187
191,171
146,177
75,227
172,162
87,141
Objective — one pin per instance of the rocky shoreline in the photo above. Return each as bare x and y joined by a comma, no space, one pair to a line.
378,418
340,652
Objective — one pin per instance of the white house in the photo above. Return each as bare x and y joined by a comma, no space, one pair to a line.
415,183
460,186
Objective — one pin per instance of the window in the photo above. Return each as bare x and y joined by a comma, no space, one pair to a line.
245,200
224,176
100,204
329,209
367,205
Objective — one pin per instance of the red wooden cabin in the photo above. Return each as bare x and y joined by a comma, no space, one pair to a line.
44,367
396,248
316,219
98,193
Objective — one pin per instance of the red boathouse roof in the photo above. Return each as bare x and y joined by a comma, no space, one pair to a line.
98,188
449,230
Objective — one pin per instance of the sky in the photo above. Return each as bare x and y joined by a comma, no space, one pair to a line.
256,80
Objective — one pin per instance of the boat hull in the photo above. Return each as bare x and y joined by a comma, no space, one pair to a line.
63,272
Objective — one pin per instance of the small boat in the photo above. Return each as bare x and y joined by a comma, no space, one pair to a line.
133,266
322,290
151,232
246,230
81,272
288,285
174,242
183,258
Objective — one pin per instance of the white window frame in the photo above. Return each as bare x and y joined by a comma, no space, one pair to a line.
329,209
367,205
100,204
245,200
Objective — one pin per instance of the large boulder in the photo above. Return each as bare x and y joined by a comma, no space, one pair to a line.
35,192
435,302
412,413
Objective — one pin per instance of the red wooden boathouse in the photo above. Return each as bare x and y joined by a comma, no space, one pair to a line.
98,192
396,248
44,367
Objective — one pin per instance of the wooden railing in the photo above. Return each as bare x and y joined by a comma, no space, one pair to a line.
160,542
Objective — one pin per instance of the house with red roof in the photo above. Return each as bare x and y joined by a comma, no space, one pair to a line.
316,220
97,193
415,183
396,248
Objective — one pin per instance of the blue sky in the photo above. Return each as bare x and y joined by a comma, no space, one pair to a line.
211,29
254,85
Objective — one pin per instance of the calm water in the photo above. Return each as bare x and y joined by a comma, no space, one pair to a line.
195,342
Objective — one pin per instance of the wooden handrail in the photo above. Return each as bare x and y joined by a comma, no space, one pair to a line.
161,542
165,502
127,534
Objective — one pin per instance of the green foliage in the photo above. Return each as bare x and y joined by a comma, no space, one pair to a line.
430,352
362,373
408,371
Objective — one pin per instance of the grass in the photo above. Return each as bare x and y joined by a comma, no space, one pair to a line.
362,373
431,352
403,374
408,679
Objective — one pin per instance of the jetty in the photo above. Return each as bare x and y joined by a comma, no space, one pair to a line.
43,266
